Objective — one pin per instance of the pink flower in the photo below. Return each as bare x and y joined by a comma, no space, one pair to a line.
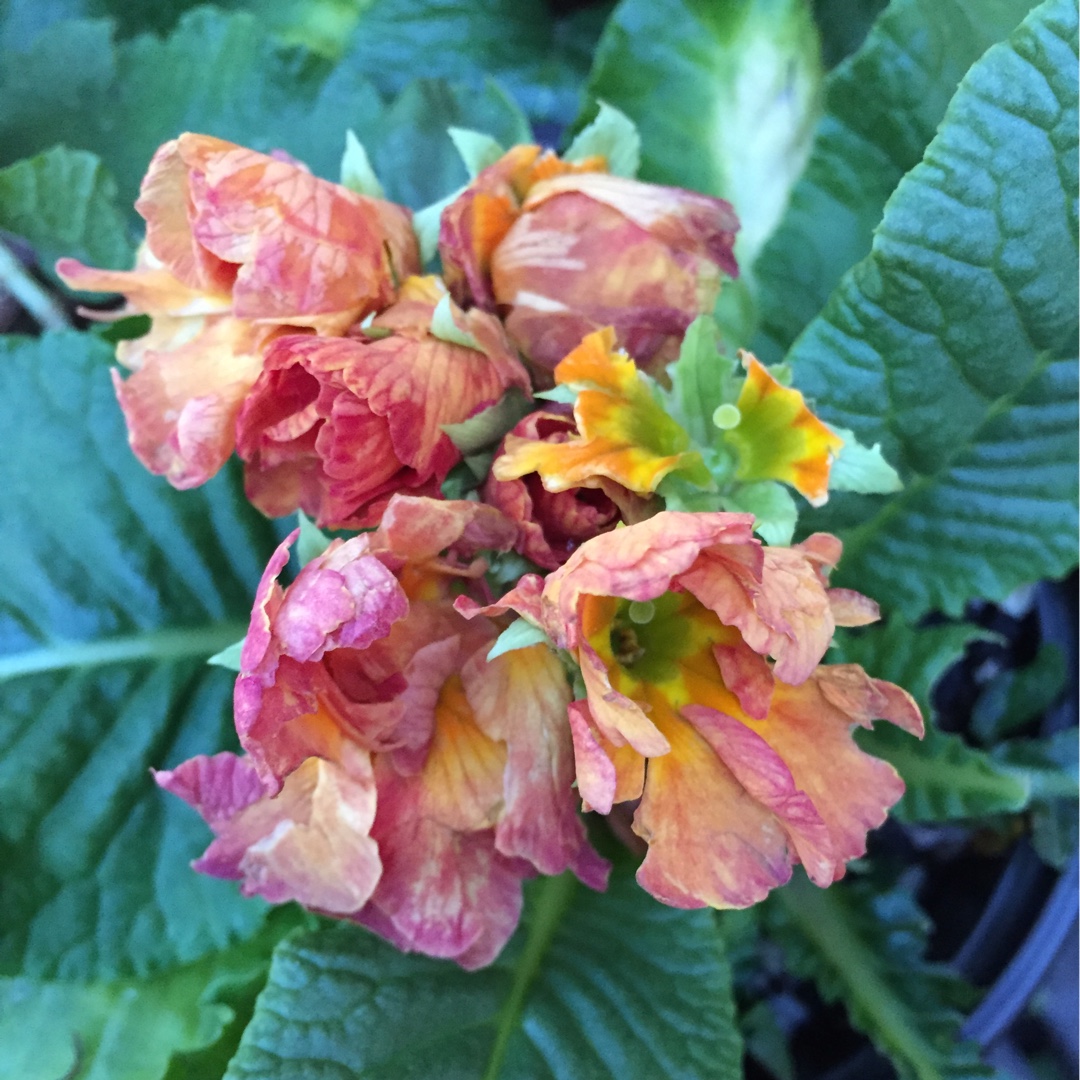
563,251
336,426
394,775
705,698
238,245
553,524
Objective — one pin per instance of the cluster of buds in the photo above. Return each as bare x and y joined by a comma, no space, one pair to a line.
418,738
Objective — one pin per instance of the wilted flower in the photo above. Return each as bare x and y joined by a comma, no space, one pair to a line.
336,426
238,245
395,776
553,524
564,250
742,766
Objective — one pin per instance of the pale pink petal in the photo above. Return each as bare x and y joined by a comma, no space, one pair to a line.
522,698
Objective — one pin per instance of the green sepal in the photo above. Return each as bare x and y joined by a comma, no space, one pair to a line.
485,428
862,469
477,149
357,173
312,541
229,657
613,136
774,509
445,328
520,634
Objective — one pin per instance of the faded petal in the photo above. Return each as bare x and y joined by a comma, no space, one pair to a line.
521,698
308,843
181,403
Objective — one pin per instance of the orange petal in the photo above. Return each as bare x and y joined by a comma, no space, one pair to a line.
624,433
779,438
711,843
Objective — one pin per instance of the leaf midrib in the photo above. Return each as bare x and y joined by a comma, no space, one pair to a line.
812,911
857,538
555,895
182,643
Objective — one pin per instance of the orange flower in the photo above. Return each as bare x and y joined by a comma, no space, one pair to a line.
565,250
625,434
705,697
238,246
337,426
779,438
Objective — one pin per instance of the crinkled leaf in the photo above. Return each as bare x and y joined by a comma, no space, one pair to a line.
64,203
953,343
864,949
592,985
843,26
882,107
217,72
516,41
725,97
114,589
945,778
134,1029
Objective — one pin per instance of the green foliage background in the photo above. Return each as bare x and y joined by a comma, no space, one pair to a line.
907,178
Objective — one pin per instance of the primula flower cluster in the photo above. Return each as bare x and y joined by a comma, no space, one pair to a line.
421,724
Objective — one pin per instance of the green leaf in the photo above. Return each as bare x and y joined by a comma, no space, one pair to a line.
882,107
725,97
132,1029
1014,698
613,136
591,985
489,425
862,468
516,41
864,949
64,203
953,343
217,72
945,778
411,145
356,171
114,589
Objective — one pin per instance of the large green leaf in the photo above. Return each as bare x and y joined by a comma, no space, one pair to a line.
131,1029
725,97
882,107
64,203
413,155
864,949
591,986
113,590
953,343
539,60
